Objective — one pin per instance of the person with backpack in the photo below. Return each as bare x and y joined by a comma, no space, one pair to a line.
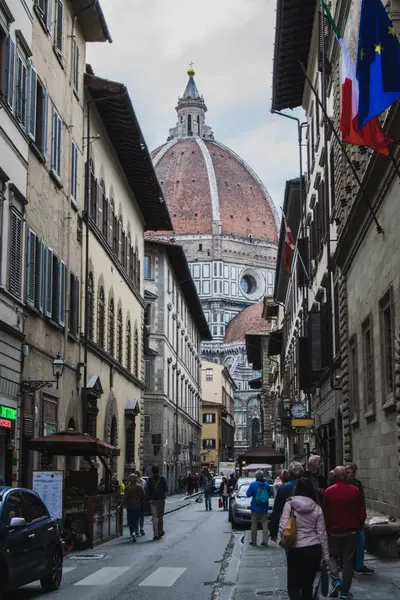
259,491
156,491
208,489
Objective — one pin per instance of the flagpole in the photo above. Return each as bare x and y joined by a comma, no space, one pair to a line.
379,228
296,248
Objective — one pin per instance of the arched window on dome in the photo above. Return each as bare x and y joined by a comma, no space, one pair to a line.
189,127
198,124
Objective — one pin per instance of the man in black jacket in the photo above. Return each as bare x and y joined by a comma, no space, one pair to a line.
156,491
285,491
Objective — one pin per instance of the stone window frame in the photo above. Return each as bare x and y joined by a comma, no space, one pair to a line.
367,372
387,351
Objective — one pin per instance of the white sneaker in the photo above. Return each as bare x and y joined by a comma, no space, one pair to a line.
133,536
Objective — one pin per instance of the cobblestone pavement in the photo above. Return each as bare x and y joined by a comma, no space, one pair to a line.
262,575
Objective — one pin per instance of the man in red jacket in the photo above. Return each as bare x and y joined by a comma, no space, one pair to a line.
344,515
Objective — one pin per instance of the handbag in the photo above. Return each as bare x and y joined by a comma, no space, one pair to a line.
288,537
220,503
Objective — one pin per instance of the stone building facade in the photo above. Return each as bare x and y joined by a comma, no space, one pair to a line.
227,224
16,23
175,326
54,80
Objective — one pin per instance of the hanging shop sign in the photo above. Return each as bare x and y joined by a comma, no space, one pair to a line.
304,423
5,424
6,412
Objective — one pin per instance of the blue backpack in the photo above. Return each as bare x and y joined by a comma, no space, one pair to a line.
262,496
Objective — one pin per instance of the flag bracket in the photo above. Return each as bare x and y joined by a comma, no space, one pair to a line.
379,227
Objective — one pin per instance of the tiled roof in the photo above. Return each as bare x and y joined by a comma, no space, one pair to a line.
249,321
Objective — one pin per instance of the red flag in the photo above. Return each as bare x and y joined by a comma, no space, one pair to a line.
289,248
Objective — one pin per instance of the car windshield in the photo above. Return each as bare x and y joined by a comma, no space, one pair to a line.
242,490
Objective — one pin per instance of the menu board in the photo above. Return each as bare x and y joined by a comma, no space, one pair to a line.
49,486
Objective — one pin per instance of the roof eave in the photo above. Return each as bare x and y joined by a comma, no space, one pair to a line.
92,21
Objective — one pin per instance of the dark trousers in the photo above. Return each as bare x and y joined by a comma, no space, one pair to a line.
343,547
225,502
302,568
133,514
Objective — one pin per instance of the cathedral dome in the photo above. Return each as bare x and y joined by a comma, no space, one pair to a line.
207,187
249,321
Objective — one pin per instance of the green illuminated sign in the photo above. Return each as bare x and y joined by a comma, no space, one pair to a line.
8,413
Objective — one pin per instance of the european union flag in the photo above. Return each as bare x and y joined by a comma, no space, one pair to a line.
378,62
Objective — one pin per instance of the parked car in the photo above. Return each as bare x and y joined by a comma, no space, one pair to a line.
239,508
217,484
30,545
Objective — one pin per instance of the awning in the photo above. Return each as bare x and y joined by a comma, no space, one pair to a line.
275,342
72,443
262,454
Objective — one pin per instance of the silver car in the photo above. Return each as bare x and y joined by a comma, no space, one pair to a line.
240,504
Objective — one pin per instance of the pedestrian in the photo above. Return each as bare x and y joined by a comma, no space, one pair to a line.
224,493
232,482
181,484
133,502
314,473
281,478
189,484
284,492
304,557
361,568
259,491
344,516
142,482
196,483
156,490
208,489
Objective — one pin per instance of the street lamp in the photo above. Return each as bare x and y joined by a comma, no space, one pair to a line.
286,406
30,385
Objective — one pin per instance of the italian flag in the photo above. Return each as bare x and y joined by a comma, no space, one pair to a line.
371,134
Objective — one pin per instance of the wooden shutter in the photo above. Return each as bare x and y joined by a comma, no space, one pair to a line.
115,231
76,65
314,323
74,304
56,288
59,26
10,73
32,102
21,91
15,265
45,125
31,258
99,207
49,14
110,224
48,283
39,279
62,271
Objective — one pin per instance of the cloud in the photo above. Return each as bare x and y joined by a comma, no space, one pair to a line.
230,43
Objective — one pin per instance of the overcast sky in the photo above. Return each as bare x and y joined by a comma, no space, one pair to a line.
231,44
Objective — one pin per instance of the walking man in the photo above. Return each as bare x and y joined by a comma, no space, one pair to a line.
361,568
259,491
208,488
157,489
344,515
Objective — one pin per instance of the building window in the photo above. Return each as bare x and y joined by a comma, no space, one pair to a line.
148,375
136,352
59,27
101,320
147,315
156,443
15,254
111,213
104,208
34,271
147,423
111,327
387,345
368,366
147,267
129,346
209,374
209,444
353,368
43,10
209,418
10,73
37,112
56,144
119,336
74,172
92,192
75,59
90,306
74,305
21,91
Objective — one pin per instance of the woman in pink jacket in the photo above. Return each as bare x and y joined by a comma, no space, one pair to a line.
311,543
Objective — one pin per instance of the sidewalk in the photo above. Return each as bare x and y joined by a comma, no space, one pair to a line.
262,574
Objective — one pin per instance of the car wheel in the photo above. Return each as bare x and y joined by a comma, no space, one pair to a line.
52,580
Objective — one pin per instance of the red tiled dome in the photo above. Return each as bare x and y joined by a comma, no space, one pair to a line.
246,322
204,183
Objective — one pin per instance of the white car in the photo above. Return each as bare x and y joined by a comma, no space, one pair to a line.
240,504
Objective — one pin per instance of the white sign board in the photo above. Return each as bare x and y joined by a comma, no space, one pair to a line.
49,486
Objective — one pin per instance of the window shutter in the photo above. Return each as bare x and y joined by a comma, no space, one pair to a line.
76,66
48,283
21,91
74,171
60,26
56,289
45,119
59,144
39,293
99,207
119,246
11,73
53,137
61,292
31,268
74,304
32,102
49,15
110,224
315,343
15,254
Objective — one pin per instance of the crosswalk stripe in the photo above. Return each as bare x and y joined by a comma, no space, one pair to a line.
163,577
103,576
68,570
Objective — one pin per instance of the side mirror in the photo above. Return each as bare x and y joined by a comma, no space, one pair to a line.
17,522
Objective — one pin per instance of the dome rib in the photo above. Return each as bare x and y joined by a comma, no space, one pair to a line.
212,180
161,150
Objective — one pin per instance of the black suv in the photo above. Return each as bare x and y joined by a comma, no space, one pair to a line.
30,546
